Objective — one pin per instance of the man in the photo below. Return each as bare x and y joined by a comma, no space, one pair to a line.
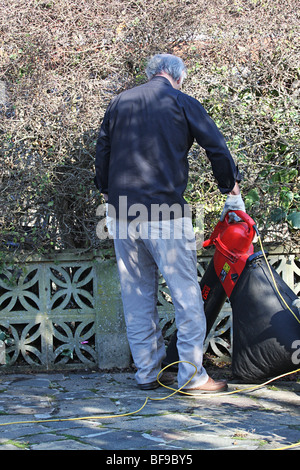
142,171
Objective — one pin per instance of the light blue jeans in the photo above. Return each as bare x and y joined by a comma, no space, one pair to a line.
168,247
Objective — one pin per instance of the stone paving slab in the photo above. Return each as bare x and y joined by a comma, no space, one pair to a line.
42,411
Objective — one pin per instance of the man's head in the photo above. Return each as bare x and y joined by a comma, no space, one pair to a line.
167,65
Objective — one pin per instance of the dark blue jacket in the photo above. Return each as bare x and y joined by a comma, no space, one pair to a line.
144,141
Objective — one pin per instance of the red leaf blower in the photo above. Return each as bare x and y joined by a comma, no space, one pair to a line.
266,321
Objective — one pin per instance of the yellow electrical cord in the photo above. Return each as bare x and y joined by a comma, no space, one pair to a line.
115,415
274,282
206,395
277,290
180,390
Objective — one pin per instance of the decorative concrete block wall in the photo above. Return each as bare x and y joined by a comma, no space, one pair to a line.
66,313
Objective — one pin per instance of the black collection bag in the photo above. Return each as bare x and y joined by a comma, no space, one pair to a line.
265,331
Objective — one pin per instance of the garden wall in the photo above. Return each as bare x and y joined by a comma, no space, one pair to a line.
66,313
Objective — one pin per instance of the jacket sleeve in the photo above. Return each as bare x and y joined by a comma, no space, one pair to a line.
103,155
208,136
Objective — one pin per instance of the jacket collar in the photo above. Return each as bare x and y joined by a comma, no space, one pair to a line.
161,78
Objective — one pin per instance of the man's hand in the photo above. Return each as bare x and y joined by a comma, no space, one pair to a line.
234,202
105,197
236,190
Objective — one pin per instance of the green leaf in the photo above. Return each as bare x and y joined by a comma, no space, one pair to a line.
286,198
284,176
251,198
2,335
67,353
278,215
294,219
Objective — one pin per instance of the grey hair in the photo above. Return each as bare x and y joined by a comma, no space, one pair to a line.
168,63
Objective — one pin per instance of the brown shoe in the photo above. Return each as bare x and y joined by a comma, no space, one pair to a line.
166,378
211,386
